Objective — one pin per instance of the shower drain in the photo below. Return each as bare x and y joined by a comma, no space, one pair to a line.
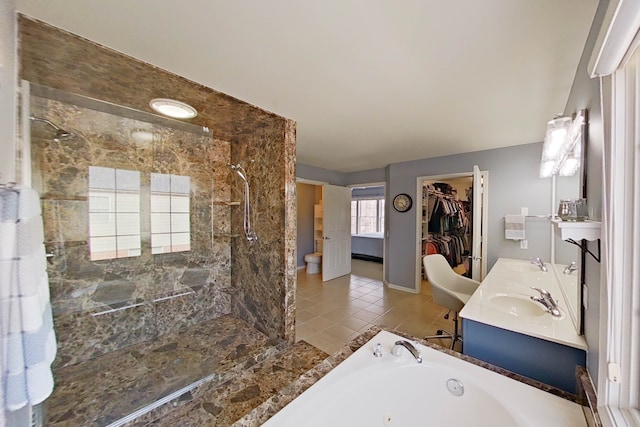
455,387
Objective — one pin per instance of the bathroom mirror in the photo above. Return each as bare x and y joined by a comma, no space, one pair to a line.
571,187
568,187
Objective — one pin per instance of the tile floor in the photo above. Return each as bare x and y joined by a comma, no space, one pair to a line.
332,313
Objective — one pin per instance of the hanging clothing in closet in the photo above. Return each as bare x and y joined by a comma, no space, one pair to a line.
448,224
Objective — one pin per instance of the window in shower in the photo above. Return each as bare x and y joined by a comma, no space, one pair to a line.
170,226
114,213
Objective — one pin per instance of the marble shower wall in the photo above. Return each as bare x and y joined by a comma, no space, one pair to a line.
102,306
258,268
263,290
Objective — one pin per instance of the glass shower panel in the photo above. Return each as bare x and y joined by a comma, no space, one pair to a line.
105,215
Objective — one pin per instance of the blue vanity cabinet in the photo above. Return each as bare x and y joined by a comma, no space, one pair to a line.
543,360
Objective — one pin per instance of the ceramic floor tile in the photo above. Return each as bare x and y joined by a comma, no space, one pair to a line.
303,316
340,332
354,323
369,298
332,313
325,342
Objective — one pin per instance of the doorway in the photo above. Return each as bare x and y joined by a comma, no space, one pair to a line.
451,221
324,227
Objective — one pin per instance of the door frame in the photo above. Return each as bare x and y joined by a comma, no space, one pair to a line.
385,228
418,245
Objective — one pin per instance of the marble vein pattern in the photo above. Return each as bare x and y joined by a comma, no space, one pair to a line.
110,387
111,306
102,306
224,404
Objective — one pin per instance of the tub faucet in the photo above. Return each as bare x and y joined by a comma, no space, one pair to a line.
397,349
570,268
547,300
539,263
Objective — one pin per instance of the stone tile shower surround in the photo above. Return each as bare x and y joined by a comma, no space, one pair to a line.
101,306
110,305
55,58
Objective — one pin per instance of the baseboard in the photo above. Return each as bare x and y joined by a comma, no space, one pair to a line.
367,258
400,288
302,267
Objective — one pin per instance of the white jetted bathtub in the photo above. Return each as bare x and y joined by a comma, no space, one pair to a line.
397,391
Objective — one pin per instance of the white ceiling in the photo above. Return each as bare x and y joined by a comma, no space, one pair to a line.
369,82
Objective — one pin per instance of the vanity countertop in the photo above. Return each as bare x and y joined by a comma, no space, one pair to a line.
503,300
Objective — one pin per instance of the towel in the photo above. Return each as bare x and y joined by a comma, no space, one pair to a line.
27,324
514,227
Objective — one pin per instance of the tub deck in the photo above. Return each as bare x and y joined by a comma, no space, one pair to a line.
255,379
279,400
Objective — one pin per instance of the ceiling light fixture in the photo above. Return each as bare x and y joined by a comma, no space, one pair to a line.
173,108
562,149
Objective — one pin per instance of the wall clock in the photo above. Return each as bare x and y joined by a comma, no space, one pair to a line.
402,202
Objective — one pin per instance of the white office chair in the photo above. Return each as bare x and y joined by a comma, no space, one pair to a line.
450,290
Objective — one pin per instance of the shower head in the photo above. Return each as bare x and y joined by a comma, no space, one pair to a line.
239,170
60,133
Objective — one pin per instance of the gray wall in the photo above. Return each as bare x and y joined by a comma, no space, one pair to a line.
513,183
8,55
306,199
318,174
585,93
366,177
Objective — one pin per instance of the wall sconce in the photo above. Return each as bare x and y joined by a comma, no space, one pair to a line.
562,149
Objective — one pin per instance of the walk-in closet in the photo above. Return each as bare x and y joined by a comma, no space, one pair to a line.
447,213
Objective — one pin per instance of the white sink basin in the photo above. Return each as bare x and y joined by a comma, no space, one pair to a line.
519,306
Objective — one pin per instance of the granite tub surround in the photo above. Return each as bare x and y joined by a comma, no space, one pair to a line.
588,397
279,400
110,387
214,404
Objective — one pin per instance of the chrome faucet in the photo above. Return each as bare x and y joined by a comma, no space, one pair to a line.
397,350
547,300
539,263
570,268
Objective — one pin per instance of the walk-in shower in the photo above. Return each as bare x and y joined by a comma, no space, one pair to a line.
249,233
60,133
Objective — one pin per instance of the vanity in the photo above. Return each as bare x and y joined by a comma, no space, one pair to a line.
502,325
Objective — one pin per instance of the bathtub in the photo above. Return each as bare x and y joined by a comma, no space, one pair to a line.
397,391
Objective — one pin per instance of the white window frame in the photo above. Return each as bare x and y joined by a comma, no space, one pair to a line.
379,213
614,61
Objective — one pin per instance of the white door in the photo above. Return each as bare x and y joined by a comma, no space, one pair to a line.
480,205
336,226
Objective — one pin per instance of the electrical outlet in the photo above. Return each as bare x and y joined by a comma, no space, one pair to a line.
524,211
524,244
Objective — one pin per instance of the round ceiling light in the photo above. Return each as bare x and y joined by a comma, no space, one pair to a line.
173,108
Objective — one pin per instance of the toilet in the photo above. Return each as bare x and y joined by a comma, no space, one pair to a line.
314,261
